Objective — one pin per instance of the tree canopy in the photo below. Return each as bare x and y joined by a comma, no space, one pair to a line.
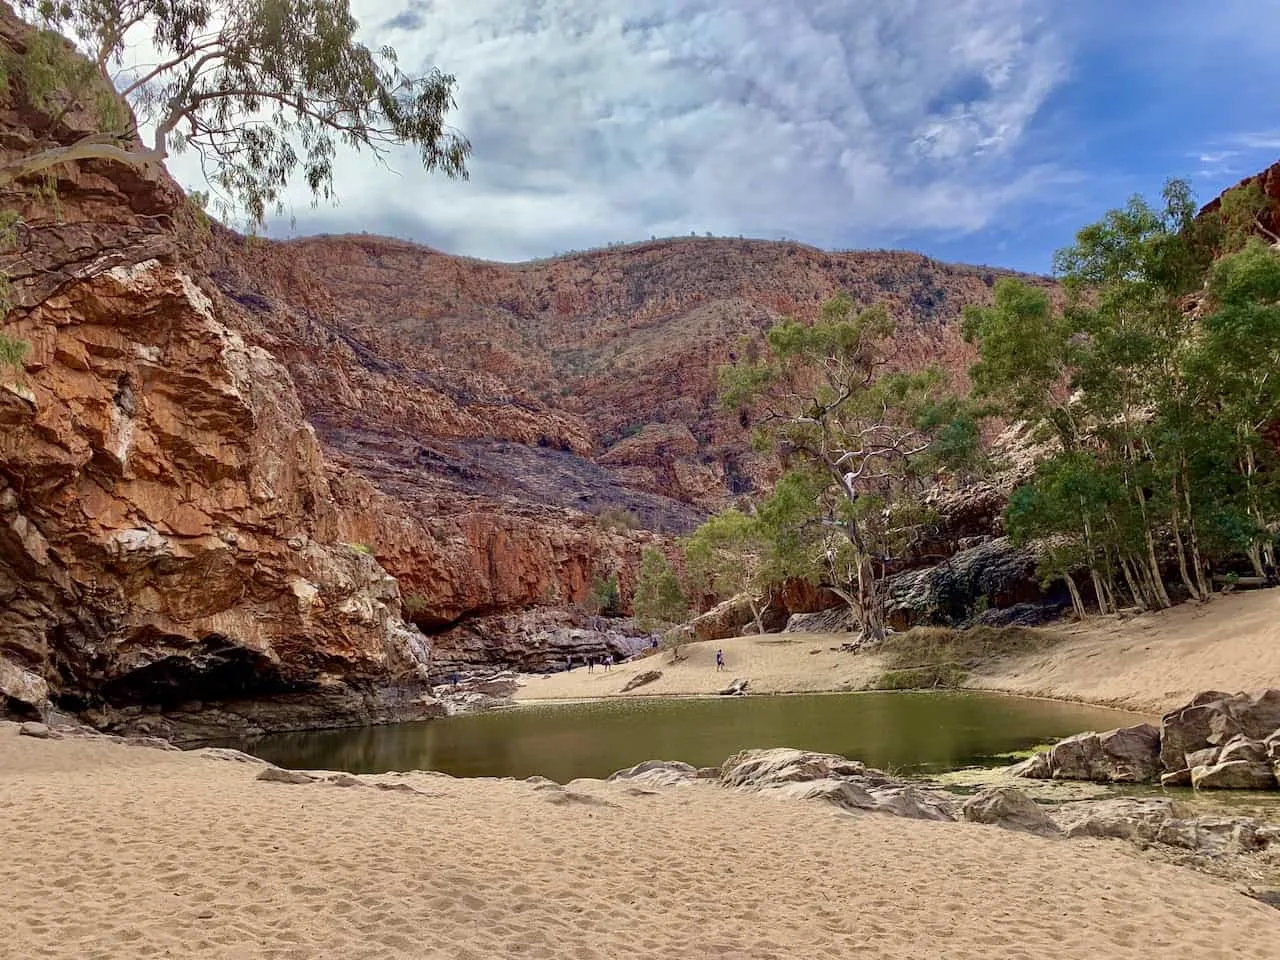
858,440
260,90
1156,378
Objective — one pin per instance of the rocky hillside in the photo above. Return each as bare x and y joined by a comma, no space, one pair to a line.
609,354
318,473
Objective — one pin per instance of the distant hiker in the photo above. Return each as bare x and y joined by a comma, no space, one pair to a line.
454,678
608,661
568,664
591,664
719,660
653,643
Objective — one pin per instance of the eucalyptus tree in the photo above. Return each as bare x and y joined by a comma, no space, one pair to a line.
730,555
260,90
859,436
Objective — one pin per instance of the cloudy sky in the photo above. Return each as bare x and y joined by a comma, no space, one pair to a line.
975,130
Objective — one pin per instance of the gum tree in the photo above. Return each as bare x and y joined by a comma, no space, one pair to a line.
260,90
859,436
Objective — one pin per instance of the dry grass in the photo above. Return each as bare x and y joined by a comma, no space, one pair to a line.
931,657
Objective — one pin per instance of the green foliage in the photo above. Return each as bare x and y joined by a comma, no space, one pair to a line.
360,547
942,675
658,598
415,605
12,352
604,598
1159,413
617,519
860,442
260,91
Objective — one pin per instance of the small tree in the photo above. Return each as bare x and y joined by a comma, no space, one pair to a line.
658,598
863,438
604,598
729,555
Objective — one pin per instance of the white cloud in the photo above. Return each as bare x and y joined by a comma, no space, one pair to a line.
841,123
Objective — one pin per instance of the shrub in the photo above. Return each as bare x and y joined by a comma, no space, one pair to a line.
604,598
617,519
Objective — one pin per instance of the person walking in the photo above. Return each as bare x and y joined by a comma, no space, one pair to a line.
591,664
719,660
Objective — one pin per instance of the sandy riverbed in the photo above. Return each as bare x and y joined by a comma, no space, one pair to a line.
114,851
1149,663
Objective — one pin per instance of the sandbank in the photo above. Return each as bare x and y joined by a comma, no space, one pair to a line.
114,851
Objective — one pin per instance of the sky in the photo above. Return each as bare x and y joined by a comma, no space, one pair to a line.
980,131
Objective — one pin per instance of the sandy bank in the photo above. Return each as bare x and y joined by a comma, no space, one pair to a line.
1149,663
776,663
115,851
1157,661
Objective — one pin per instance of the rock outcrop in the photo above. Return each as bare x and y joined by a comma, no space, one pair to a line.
1217,741
1126,755
168,534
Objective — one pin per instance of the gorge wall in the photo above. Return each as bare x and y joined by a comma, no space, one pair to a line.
255,484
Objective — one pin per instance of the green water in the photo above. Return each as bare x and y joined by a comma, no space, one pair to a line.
906,732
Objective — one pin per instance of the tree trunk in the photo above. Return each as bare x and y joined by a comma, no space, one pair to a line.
1197,563
1182,553
1077,603
1135,591
1099,593
755,613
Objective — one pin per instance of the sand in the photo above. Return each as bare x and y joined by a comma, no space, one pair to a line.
1157,661
775,663
114,852
1148,664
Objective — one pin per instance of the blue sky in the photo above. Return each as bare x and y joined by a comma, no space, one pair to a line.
983,131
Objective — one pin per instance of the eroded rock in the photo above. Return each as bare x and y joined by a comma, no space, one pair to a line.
1234,775
1124,755
1010,808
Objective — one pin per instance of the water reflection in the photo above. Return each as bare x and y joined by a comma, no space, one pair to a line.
909,732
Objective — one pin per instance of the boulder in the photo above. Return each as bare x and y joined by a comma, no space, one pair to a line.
1009,807
1124,755
1244,748
1121,818
657,773
1234,775
800,774
738,688
38,730
1177,778
1036,767
1214,719
840,793
760,768
22,693
915,803
640,679
1212,834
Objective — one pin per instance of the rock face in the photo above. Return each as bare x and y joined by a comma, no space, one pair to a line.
1217,741
1126,755
168,533
1219,729
535,641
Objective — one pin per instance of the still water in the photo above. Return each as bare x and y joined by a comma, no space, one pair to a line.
906,732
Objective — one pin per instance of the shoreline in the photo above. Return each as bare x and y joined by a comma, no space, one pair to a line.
962,691
146,852
1147,664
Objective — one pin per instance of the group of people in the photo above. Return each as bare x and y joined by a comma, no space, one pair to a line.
606,661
